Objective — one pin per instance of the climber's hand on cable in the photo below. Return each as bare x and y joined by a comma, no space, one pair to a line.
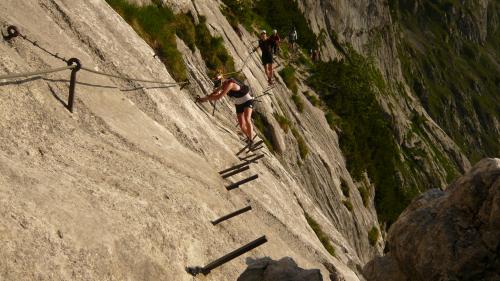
200,99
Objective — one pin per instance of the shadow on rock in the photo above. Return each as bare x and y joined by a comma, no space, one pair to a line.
267,269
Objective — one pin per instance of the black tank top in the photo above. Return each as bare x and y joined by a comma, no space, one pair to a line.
244,89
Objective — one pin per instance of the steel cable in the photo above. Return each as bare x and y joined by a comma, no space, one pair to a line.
56,55
133,79
34,73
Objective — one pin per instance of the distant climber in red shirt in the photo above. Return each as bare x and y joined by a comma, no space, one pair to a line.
275,38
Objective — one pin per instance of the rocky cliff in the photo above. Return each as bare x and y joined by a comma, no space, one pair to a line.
125,187
447,235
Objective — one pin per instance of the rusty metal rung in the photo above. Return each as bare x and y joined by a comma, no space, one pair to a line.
226,258
249,161
243,181
231,215
244,168
256,148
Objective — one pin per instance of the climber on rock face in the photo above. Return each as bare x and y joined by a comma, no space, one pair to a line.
266,46
292,39
240,94
275,38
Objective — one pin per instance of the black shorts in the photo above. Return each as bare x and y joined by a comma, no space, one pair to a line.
267,59
241,107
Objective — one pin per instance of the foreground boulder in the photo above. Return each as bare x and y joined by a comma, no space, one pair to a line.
285,269
447,235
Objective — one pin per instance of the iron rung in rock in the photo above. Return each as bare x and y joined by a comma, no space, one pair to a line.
244,168
231,215
249,161
243,181
226,258
256,148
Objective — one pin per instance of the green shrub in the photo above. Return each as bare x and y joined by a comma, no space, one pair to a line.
298,102
212,49
365,195
288,75
283,121
185,29
312,98
323,238
304,60
242,11
366,138
345,188
158,25
303,150
261,123
373,235
449,71
282,15
332,119
347,204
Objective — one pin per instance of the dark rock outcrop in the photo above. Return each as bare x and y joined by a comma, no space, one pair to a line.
285,269
447,235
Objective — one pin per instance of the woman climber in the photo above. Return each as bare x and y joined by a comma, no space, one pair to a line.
240,94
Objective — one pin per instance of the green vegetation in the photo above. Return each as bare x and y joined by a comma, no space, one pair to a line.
332,119
304,60
452,71
366,138
241,11
373,235
347,204
312,98
345,188
298,102
282,15
261,123
212,50
158,25
283,121
303,149
288,75
323,238
365,195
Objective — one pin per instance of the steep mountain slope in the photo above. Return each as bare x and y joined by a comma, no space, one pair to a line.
425,156
124,188
449,51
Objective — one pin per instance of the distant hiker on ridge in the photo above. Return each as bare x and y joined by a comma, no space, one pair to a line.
275,38
266,47
240,94
292,38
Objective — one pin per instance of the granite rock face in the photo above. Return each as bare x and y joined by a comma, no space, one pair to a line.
124,188
447,235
